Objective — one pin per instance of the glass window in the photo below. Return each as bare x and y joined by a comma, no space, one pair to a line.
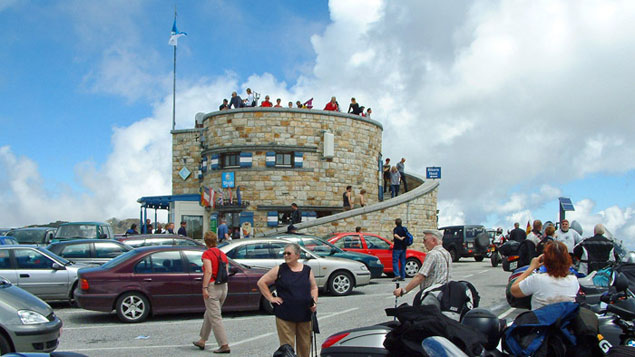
28,236
315,245
159,241
5,259
32,259
350,241
194,261
194,226
108,250
186,242
278,250
376,243
252,251
167,262
144,266
230,159
77,231
76,251
284,159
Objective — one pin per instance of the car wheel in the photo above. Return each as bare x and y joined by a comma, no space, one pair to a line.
454,255
412,267
494,259
5,345
479,258
132,307
340,283
265,304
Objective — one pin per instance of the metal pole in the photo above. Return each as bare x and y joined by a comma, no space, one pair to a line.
174,90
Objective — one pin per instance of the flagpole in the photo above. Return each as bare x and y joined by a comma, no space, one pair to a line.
174,83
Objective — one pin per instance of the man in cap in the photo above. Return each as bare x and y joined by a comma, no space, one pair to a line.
436,266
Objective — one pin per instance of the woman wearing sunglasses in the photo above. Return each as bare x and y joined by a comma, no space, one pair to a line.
296,300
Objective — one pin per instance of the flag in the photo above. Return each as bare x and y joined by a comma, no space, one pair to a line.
212,194
528,227
231,199
175,34
205,197
238,198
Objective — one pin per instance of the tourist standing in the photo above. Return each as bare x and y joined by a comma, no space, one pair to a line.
399,251
296,215
386,174
395,180
347,198
182,231
402,173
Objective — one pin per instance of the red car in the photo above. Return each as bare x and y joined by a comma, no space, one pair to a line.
161,280
380,247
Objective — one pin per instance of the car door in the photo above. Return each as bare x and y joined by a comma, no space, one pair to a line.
79,253
256,254
163,277
195,277
7,270
379,247
37,276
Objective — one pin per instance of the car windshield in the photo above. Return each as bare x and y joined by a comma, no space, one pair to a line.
77,231
318,245
28,236
119,259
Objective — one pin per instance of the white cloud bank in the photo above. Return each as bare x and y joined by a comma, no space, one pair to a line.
512,99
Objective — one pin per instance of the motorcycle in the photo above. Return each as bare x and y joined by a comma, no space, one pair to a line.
495,255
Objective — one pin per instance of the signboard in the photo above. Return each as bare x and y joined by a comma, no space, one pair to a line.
228,180
433,172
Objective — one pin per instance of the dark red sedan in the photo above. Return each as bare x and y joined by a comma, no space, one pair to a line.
161,280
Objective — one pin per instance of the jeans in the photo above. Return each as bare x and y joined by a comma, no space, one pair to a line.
403,179
394,190
399,258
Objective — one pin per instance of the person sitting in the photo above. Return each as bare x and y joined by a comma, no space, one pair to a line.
278,103
236,102
251,99
266,102
224,106
368,113
298,105
556,285
596,252
332,105
132,230
354,107
549,237
290,104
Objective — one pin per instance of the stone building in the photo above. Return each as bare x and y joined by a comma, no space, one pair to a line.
268,158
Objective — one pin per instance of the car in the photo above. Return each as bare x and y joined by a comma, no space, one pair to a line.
162,280
325,249
33,235
27,324
144,240
466,241
380,247
39,271
8,241
335,275
83,230
89,251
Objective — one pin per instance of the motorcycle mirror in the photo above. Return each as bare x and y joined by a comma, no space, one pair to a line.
575,225
620,282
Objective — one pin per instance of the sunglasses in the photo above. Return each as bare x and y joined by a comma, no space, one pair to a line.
287,253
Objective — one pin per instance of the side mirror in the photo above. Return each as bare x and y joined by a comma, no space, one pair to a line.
103,236
233,270
621,282
333,251
56,266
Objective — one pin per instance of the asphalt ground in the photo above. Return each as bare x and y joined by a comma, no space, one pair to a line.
254,333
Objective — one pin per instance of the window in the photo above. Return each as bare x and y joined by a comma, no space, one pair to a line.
76,251
194,261
108,250
315,245
252,251
348,242
5,259
284,159
194,226
162,262
185,242
31,259
376,243
230,159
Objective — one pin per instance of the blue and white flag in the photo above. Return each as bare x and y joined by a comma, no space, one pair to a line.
175,34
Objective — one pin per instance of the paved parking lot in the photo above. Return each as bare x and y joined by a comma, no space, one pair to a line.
253,333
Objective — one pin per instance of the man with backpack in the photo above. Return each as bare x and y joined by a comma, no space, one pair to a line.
436,267
399,234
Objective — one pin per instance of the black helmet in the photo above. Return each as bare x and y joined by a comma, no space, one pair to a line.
487,323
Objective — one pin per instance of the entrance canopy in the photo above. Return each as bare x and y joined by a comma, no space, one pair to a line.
160,202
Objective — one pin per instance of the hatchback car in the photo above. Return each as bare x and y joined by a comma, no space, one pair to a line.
27,324
336,275
39,271
466,241
161,280
89,251
144,240
380,247
34,235
326,249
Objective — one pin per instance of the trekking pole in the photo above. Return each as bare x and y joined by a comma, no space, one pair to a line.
396,298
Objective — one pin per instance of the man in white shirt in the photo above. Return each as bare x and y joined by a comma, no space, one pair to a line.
569,237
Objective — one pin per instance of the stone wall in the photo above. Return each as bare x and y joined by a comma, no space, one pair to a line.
186,152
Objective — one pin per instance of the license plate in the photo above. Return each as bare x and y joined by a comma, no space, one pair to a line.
513,265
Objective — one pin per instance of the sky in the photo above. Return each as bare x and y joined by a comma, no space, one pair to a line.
519,102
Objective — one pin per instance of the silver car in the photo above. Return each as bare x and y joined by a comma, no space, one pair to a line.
38,271
27,324
335,275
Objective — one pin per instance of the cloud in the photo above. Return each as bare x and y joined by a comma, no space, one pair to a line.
619,221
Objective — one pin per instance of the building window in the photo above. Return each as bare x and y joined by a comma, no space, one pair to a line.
284,159
230,159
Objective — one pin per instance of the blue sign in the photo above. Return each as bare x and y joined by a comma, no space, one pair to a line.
433,172
228,180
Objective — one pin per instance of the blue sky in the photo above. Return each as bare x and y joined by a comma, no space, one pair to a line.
519,103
